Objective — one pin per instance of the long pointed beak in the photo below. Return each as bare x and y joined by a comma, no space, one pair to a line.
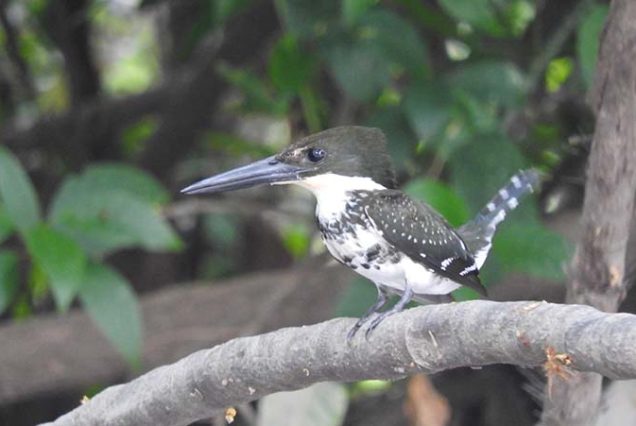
268,170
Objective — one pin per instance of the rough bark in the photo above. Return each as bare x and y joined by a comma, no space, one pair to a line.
425,339
597,272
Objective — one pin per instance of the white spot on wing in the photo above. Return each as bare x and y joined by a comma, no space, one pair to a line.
447,262
468,269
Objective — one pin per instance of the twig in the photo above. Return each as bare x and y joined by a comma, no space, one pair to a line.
467,334
555,44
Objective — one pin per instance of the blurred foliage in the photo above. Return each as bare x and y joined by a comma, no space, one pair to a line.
559,69
106,208
588,40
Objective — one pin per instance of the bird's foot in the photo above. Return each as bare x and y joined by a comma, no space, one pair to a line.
373,310
375,322
354,330
398,307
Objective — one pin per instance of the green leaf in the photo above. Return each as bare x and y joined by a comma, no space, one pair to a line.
499,18
480,14
322,404
97,236
530,247
353,9
519,14
258,97
6,225
397,40
441,197
588,39
559,70
62,260
402,141
106,219
17,192
122,177
350,62
307,18
290,68
8,278
464,293
428,109
382,42
495,82
483,166
111,303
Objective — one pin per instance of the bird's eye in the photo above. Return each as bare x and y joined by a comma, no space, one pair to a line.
316,154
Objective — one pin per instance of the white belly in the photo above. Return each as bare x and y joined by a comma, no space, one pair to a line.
394,273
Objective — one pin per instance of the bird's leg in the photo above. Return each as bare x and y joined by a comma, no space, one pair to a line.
372,310
398,307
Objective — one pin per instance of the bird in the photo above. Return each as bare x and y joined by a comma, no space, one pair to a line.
401,244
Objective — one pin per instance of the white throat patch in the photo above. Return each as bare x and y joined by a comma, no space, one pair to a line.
330,182
331,191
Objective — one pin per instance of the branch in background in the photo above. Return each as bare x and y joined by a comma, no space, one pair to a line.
597,275
188,112
63,354
556,43
425,339
20,71
68,26
96,119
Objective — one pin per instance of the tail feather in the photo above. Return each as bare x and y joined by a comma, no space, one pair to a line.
478,233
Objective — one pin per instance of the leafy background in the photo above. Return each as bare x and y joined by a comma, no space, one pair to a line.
467,92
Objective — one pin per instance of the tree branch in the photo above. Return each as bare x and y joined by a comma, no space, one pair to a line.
425,339
20,70
68,26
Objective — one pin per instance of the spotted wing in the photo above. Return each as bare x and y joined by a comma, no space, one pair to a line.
421,233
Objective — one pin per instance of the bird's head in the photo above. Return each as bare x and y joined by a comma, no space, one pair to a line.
348,151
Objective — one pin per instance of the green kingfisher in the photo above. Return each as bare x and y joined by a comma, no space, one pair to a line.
402,245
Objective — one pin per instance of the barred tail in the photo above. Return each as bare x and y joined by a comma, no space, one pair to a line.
478,233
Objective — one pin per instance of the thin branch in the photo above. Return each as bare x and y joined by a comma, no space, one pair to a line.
20,69
425,339
556,43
